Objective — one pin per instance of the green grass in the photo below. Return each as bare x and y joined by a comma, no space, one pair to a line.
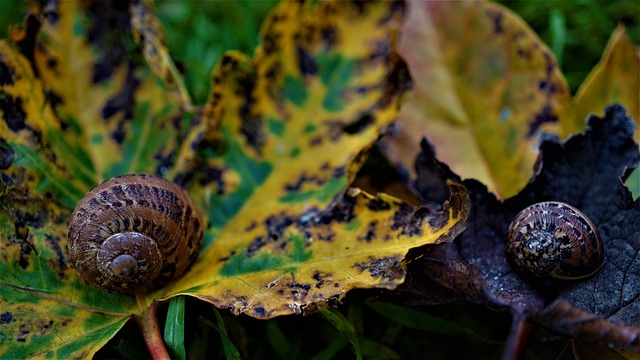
577,31
199,32
11,12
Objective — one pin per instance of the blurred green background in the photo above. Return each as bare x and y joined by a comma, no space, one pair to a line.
199,32
578,30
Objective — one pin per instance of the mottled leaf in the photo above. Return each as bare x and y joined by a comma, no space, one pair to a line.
584,171
285,134
615,79
485,87
270,162
359,242
146,29
76,107
113,115
44,308
31,133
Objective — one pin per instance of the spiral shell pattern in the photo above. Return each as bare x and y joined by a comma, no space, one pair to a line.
555,239
134,233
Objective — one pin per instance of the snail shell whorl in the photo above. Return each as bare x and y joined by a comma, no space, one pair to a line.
554,239
134,233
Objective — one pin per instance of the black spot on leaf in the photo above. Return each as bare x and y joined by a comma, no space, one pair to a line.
14,115
257,243
213,175
315,141
164,161
546,115
27,43
252,124
329,36
122,102
341,211
260,311
359,125
6,74
54,244
270,43
338,172
6,318
306,62
371,232
402,216
547,87
378,205
388,268
108,32
305,287
251,226
6,154
321,279
22,335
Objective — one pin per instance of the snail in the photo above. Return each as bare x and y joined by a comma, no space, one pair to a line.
554,239
134,233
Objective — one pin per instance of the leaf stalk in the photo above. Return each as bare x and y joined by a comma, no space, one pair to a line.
148,323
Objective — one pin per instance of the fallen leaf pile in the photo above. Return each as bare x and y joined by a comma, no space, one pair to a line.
585,171
88,91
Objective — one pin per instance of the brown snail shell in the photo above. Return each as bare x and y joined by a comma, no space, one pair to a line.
134,233
554,239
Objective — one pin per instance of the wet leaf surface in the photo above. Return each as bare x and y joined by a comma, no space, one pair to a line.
271,155
269,159
485,87
292,125
87,108
584,171
358,242
45,309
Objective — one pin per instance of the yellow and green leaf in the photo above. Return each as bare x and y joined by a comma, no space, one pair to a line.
269,160
34,134
615,79
295,264
147,30
68,120
485,87
293,123
45,307
113,113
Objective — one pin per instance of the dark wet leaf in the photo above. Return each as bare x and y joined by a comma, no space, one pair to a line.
585,171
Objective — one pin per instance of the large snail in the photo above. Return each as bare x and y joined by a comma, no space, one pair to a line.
554,239
134,233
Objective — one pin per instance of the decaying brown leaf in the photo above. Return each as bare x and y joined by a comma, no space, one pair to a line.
585,171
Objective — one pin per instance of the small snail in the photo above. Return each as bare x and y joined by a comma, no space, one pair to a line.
554,239
134,233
